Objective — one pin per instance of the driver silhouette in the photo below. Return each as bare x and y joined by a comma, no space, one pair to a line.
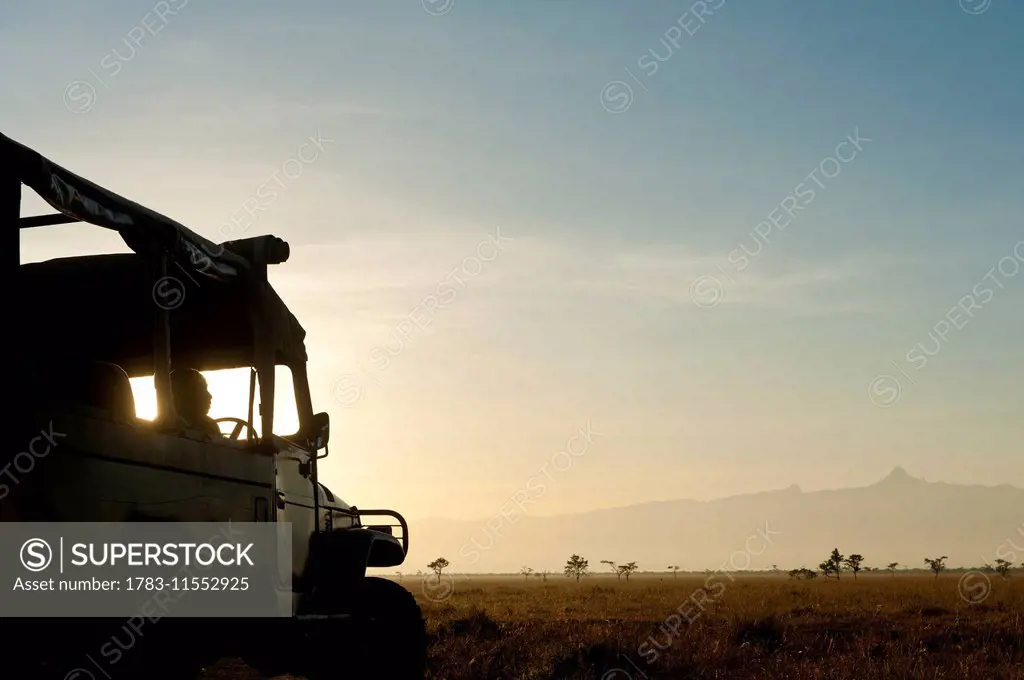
192,400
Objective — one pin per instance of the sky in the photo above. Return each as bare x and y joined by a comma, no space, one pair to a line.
739,245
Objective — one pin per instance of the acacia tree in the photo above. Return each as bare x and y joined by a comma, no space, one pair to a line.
833,565
612,567
576,567
437,566
1003,567
892,567
853,562
628,569
936,564
526,571
674,568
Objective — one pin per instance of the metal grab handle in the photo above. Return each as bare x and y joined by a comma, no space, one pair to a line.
281,500
388,513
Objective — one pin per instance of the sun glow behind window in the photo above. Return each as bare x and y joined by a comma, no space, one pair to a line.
230,391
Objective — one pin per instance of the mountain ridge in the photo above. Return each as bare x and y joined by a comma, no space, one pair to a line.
898,518
897,474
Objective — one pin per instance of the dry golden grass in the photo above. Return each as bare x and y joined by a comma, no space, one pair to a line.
907,627
911,627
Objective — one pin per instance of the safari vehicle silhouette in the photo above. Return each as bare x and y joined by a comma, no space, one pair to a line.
80,328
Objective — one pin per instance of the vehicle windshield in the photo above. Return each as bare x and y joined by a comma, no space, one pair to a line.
230,392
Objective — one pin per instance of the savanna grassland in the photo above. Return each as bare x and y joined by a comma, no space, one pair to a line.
878,626
907,627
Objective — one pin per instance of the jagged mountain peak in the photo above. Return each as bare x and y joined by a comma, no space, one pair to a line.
899,475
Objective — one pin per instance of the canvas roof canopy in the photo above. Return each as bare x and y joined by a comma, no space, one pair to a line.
143,230
105,307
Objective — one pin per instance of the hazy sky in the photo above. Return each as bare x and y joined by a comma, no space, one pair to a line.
444,126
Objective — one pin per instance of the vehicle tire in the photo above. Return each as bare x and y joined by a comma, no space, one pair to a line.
388,633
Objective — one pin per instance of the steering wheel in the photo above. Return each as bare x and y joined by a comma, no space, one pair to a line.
239,424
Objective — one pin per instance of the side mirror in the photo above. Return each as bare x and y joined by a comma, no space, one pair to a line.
321,433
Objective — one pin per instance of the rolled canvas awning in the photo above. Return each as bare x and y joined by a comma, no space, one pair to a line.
143,230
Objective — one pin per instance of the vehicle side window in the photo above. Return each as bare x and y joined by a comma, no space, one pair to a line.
229,390
286,412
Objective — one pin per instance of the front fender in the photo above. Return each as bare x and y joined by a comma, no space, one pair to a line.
337,565
385,550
